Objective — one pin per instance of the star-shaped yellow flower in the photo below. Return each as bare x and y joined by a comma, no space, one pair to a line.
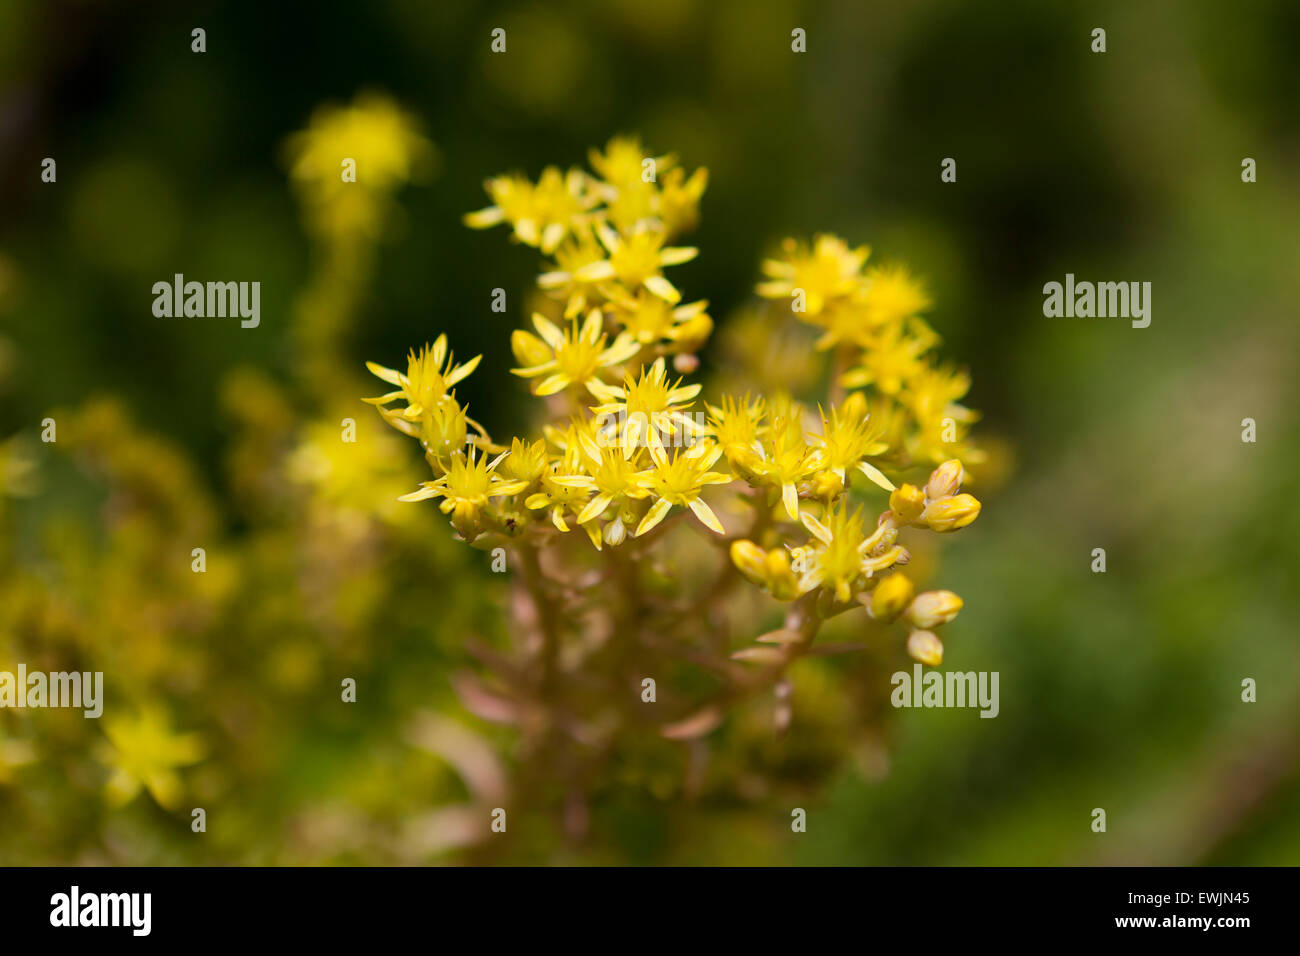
575,357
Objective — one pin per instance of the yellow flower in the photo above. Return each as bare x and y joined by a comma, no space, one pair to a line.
847,437
934,392
373,131
638,260
576,356
679,481
837,564
467,486
828,272
679,199
612,476
622,162
542,214
384,144
648,408
557,494
144,753
893,359
782,457
670,200
582,248
891,294
429,376
648,318
345,476
526,462
736,424
843,556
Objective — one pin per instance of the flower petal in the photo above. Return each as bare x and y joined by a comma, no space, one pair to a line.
652,517
706,516
875,474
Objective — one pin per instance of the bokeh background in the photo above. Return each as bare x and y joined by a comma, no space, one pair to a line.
1119,690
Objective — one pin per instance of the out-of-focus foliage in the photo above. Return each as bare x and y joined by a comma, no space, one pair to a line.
1119,690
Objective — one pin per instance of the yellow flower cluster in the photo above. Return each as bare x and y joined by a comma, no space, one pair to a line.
627,442
871,317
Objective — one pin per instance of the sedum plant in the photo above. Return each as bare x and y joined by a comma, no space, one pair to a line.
655,530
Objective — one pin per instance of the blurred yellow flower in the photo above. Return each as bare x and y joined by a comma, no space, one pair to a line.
349,160
541,215
144,753
827,272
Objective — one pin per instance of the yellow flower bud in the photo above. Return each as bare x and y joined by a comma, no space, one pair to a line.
907,503
750,559
827,485
925,647
854,408
443,429
781,578
945,480
466,518
529,349
950,514
932,608
891,596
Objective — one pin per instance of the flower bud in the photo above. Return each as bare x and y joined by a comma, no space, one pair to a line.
945,480
891,597
854,408
443,429
781,579
907,502
925,647
932,608
827,485
750,559
529,349
950,514
615,532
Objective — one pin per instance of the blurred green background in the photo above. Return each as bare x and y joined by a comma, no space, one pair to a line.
1119,690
